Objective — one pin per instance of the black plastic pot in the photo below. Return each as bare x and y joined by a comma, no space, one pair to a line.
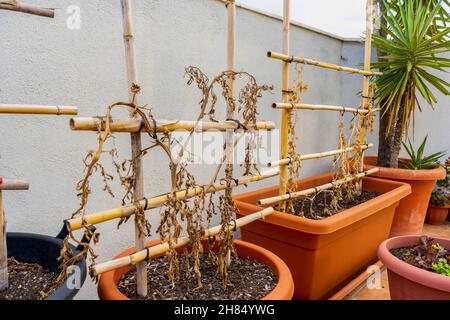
45,250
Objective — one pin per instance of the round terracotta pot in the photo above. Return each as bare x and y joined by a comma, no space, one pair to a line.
437,215
284,290
410,214
407,282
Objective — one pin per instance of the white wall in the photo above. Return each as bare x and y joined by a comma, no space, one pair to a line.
43,62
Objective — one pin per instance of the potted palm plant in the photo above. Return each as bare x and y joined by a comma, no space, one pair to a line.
414,35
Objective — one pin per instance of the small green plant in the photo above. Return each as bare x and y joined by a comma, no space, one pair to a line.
437,246
417,160
426,255
442,267
445,183
439,198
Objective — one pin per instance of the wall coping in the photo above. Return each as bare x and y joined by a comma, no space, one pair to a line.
297,24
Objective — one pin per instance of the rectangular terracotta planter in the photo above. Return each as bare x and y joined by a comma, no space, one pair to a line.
325,254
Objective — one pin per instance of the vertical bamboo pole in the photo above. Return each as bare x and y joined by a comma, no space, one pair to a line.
136,145
366,81
286,114
231,65
3,249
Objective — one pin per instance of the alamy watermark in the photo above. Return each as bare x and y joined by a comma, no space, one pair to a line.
208,148
73,281
73,21
374,280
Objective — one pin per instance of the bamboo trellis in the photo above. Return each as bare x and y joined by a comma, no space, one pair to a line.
180,242
5,184
136,128
286,107
18,184
231,65
311,62
303,106
10,185
136,144
307,192
35,109
155,202
311,156
14,5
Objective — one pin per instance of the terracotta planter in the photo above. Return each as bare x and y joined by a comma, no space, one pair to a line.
410,214
107,287
437,215
323,255
407,282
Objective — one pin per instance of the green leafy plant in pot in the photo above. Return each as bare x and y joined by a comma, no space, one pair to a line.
418,267
414,35
438,210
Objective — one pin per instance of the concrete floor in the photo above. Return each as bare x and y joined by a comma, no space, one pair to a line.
364,293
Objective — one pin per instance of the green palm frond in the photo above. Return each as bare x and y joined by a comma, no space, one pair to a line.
417,160
413,52
440,20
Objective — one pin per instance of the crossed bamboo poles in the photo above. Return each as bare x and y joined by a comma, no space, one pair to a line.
160,249
14,185
123,125
135,127
286,107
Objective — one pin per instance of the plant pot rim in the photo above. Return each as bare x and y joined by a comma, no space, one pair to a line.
404,174
447,206
339,220
63,292
284,290
421,276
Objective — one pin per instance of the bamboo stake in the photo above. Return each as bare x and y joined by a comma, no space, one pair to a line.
136,144
3,248
366,81
147,204
231,114
6,184
142,255
135,125
286,114
302,106
311,156
296,195
35,109
289,59
13,5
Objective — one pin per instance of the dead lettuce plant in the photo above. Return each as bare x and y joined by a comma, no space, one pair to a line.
178,215
347,166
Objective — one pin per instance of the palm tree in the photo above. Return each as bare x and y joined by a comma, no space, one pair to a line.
414,36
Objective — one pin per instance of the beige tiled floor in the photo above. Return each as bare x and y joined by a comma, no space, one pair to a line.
363,293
